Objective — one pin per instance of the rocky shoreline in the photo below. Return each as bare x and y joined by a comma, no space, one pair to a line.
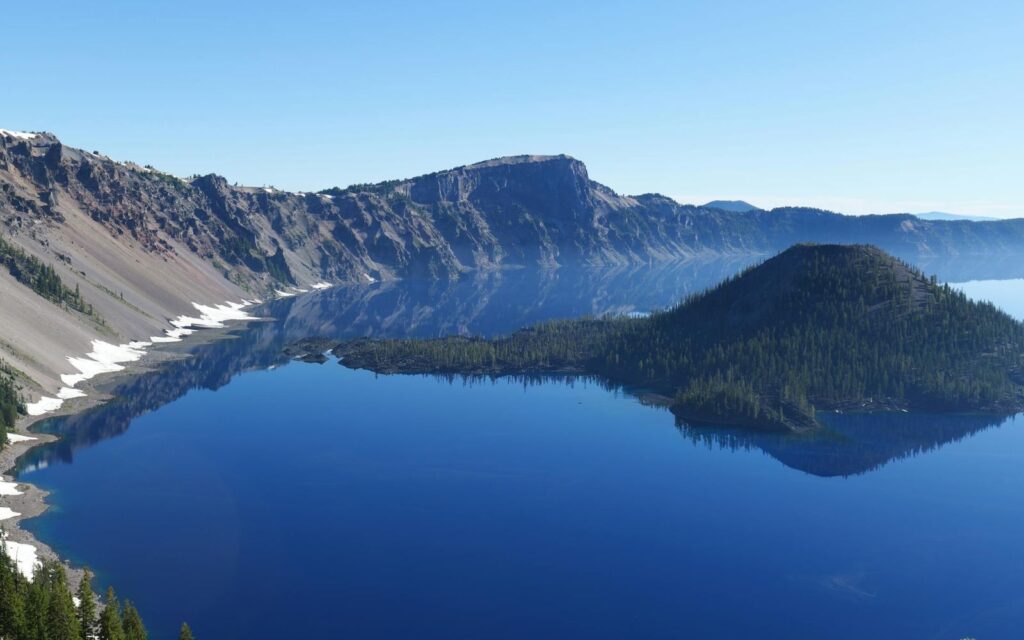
30,501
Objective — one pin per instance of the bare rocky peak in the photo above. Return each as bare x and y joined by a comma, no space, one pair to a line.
521,159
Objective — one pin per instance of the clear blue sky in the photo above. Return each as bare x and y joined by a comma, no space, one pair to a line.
855,106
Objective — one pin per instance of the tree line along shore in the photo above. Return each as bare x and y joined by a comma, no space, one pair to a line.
833,327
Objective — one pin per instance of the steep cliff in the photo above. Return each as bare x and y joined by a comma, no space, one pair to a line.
142,245
522,210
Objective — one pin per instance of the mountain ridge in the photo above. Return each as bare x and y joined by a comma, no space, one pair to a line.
736,206
142,245
942,215
507,211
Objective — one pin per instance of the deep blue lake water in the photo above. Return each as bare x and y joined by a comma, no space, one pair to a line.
261,498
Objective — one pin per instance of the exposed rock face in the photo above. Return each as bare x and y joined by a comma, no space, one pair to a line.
524,210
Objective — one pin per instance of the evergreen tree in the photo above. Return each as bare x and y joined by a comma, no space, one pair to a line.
42,278
86,607
110,625
43,608
186,633
37,606
10,403
12,597
61,620
133,627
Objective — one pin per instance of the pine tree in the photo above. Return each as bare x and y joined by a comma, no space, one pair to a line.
12,601
186,633
86,607
110,625
133,627
37,605
61,621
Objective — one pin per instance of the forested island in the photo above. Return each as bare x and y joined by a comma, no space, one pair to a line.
817,327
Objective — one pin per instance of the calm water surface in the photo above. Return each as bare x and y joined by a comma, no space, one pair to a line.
261,498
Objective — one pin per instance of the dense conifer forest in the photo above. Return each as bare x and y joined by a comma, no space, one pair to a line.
816,327
44,608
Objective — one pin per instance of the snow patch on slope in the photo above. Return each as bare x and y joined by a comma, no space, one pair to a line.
110,358
43,405
9,488
21,135
24,556
67,393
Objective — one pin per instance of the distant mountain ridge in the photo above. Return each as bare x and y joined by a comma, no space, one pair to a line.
939,215
736,206
513,211
142,245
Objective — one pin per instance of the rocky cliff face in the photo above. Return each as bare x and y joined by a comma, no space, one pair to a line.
142,245
524,210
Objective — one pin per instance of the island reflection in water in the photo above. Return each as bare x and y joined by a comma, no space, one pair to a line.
492,304
402,506
851,444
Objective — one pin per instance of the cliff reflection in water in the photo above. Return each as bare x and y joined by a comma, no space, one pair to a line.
483,304
490,304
